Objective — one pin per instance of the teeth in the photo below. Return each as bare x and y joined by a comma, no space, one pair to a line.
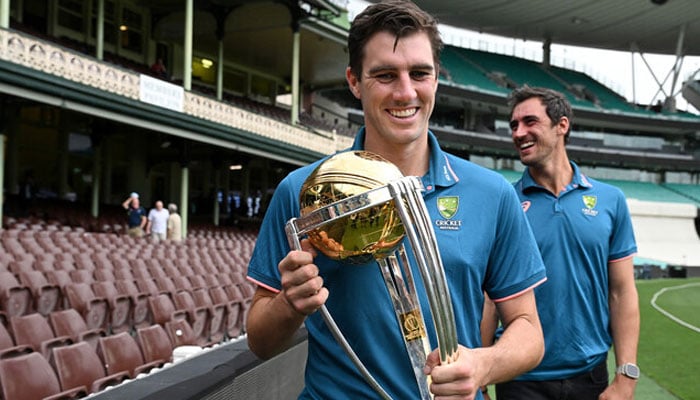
403,113
526,145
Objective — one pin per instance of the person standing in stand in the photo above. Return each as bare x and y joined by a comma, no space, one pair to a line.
174,224
157,225
136,215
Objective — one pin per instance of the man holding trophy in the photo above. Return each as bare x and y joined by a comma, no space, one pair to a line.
329,256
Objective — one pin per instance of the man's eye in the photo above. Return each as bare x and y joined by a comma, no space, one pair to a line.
387,77
419,75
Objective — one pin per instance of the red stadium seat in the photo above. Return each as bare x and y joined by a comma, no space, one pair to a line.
104,274
30,376
121,353
60,278
78,366
162,309
166,285
34,330
7,344
69,323
234,311
198,317
180,333
15,299
93,309
155,344
198,281
216,314
82,276
140,309
47,296
149,286
120,306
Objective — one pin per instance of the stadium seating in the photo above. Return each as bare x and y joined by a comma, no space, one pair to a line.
34,330
120,353
79,367
7,344
120,306
15,298
71,324
155,344
95,310
47,296
178,309
141,314
234,311
180,333
198,317
30,376
216,313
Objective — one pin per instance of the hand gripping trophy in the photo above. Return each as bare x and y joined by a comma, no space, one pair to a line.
356,206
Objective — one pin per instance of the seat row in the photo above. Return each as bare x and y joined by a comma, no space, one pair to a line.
68,366
117,305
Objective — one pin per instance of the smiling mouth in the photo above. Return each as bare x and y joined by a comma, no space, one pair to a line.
406,113
526,145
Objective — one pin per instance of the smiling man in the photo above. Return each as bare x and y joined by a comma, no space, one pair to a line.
483,237
585,234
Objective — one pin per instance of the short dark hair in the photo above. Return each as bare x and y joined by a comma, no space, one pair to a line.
555,103
398,17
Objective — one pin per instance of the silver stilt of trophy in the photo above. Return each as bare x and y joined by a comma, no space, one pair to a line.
357,207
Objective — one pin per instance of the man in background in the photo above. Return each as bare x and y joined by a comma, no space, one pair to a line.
157,225
584,232
136,215
174,223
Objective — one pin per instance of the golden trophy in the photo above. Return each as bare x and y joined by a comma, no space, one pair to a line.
356,207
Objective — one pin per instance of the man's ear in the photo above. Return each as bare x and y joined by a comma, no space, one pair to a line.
353,82
564,125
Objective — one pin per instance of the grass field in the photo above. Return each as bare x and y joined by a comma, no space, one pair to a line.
669,352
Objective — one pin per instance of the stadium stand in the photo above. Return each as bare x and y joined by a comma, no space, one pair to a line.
78,367
70,323
34,330
30,376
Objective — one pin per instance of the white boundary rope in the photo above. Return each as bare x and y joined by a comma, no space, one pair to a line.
668,314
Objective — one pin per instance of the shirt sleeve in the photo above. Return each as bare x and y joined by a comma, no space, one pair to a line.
515,265
622,240
272,243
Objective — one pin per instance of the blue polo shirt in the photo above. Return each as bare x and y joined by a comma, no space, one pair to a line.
485,244
578,232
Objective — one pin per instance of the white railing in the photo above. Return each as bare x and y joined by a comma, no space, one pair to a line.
52,59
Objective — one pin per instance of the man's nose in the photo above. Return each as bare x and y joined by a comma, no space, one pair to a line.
404,89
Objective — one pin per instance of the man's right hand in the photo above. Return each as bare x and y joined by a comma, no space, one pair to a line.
302,287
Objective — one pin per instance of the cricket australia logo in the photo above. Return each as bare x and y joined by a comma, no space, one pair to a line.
447,207
590,203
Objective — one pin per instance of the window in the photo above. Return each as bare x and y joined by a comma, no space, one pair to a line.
70,15
131,31
110,28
